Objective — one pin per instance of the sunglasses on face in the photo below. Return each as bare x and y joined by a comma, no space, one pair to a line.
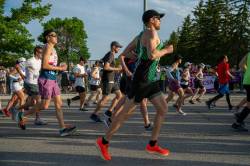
53,35
158,18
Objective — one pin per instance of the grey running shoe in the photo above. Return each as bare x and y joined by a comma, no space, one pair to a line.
39,122
67,131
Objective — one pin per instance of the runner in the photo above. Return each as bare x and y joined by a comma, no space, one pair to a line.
80,75
18,77
223,77
108,83
173,75
144,84
48,86
32,69
198,83
185,79
129,65
95,81
239,125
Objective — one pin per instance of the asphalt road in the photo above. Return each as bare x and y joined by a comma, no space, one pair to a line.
202,138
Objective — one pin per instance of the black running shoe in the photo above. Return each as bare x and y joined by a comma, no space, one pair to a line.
83,109
108,113
239,127
68,102
208,104
67,131
95,118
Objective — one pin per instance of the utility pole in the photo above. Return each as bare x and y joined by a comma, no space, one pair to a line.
144,5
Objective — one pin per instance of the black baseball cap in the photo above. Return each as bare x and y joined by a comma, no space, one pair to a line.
149,14
115,43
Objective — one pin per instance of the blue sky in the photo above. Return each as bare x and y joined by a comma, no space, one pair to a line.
108,20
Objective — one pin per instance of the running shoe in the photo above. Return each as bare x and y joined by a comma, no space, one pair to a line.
83,109
6,112
108,113
103,149
40,122
149,127
69,130
68,102
239,127
208,104
95,118
199,100
191,102
21,120
181,112
157,150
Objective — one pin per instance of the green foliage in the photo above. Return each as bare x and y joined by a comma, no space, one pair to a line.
15,39
72,38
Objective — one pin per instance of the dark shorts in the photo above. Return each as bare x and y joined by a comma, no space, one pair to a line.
48,88
125,85
94,87
80,89
108,88
173,86
247,87
141,90
31,89
184,86
198,84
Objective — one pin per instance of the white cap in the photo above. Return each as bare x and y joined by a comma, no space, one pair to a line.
202,65
22,59
187,64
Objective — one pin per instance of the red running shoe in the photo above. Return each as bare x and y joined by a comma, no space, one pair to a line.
157,150
103,149
6,112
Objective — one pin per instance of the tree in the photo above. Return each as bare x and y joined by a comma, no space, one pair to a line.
217,27
15,39
71,36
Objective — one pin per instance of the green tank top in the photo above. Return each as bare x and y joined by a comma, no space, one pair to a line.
246,80
146,69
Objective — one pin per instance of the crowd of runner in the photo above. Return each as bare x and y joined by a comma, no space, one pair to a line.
139,79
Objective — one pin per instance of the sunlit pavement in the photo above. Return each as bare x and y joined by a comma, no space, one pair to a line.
202,138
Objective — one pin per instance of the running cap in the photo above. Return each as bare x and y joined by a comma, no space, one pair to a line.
187,64
115,43
202,65
20,60
149,14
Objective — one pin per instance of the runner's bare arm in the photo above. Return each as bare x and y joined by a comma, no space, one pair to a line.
151,45
18,69
128,53
45,62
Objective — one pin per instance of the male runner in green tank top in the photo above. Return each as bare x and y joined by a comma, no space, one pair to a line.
144,84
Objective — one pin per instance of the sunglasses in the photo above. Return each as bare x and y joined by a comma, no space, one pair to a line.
158,18
53,35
